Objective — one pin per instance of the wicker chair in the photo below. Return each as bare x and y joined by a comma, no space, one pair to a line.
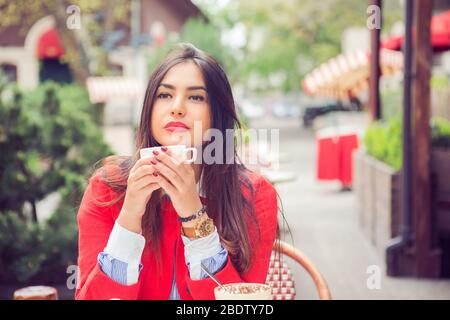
280,277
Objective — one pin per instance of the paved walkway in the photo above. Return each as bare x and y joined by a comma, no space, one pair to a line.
120,138
325,227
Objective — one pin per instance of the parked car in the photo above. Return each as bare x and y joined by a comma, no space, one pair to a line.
314,110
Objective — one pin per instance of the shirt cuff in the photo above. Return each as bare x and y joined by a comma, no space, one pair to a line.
197,250
117,270
125,245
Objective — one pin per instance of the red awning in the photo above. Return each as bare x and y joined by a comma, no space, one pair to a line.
50,45
440,31
440,34
393,43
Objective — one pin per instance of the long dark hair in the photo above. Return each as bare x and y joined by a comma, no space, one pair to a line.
223,182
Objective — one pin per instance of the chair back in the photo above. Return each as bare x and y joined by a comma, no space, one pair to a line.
280,276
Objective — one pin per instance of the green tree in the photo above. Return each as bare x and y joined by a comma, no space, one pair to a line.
204,35
45,138
48,143
288,37
207,36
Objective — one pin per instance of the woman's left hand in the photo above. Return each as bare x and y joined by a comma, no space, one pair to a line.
178,181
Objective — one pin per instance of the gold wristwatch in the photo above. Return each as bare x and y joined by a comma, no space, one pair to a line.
203,227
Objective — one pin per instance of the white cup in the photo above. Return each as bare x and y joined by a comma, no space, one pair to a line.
179,152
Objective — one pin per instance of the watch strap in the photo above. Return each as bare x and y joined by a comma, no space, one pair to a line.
189,232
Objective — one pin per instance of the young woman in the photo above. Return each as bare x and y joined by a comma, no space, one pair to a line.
146,226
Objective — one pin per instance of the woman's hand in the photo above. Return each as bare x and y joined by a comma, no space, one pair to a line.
142,181
178,181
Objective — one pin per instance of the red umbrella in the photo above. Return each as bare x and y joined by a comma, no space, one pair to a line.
50,45
440,34
440,31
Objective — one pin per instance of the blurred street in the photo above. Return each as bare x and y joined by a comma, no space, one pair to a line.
357,95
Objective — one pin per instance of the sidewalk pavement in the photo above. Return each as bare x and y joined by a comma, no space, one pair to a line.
324,225
120,138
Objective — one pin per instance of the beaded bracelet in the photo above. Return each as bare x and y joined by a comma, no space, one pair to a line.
196,215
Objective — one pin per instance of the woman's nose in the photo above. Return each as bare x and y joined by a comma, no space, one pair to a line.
177,108
177,113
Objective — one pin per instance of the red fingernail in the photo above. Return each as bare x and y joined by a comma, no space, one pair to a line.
153,162
155,152
155,174
164,149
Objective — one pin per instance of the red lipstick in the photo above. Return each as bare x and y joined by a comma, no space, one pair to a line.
176,125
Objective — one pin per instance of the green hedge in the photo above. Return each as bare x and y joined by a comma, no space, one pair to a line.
440,133
49,140
383,140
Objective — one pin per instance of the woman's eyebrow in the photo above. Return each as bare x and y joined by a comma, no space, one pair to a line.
197,88
169,86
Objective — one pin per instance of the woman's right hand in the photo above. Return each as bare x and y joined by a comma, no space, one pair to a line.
140,185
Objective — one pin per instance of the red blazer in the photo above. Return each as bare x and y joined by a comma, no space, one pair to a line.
96,223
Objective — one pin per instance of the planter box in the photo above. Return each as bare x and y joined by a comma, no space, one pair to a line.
440,175
377,190
440,170
378,199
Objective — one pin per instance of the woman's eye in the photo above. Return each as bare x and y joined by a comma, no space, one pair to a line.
163,96
197,98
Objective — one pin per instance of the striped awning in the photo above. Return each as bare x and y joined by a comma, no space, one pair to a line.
348,74
104,89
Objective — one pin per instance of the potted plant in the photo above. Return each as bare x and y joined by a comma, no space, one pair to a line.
377,182
440,173
377,179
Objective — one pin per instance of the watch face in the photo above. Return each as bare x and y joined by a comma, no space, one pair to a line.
204,227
